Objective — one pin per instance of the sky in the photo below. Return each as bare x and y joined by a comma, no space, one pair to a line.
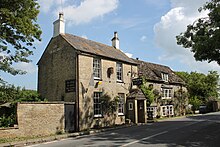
146,29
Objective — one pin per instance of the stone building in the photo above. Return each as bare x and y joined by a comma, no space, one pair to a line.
78,70
169,90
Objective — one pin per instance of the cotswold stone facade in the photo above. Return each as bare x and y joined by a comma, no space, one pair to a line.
171,97
74,69
67,74
40,119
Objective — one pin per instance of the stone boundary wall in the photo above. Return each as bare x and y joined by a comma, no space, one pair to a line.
37,119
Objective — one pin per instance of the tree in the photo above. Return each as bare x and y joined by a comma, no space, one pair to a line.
203,36
148,92
201,86
18,31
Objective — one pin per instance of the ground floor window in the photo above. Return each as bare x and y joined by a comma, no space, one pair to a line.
167,110
153,110
97,104
170,110
121,103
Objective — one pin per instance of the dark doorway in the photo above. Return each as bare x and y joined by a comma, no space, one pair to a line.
69,118
140,106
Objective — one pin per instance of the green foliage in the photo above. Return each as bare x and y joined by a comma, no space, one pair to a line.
202,88
7,121
109,105
148,92
18,31
196,102
12,94
203,36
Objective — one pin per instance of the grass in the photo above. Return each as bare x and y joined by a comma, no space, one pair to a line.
17,139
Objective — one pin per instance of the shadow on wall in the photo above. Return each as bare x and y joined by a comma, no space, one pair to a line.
59,129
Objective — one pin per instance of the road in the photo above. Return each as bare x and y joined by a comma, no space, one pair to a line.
196,131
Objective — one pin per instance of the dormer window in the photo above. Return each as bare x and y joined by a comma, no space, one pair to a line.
96,68
164,77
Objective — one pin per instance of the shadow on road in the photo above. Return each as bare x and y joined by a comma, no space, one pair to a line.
203,130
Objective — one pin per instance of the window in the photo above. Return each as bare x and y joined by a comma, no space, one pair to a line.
166,93
164,77
163,111
153,110
119,71
130,106
96,68
97,104
167,110
70,85
121,104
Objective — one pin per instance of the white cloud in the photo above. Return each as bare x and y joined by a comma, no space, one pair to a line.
172,24
28,67
78,12
143,38
129,55
88,10
84,36
47,5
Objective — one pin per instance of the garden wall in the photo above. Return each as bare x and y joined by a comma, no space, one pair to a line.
40,119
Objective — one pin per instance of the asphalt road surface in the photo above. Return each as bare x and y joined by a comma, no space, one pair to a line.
196,131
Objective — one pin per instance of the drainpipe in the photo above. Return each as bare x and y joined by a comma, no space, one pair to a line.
77,94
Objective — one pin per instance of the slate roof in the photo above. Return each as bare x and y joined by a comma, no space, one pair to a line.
136,94
152,71
92,47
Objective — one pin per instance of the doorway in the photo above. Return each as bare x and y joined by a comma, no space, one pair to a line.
140,107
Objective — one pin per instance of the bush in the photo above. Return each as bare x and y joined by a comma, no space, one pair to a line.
7,121
196,102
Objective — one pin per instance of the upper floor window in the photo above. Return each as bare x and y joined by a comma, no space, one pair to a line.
121,103
119,71
164,77
166,93
97,106
96,68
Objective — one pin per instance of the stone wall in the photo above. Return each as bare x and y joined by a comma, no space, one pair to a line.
37,119
178,103
109,85
57,64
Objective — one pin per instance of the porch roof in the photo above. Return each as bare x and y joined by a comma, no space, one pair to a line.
136,94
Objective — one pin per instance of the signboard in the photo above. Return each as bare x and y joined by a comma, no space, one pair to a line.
137,81
70,85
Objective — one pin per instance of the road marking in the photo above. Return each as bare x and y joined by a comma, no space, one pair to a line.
133,142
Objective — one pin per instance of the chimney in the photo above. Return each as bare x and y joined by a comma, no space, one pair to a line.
115,41
59,26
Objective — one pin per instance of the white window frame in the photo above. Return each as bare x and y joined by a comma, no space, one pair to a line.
152,109
170,111
97,70
167,110
121,102
119,71
130,106
165,77
163,110
166,93
97,106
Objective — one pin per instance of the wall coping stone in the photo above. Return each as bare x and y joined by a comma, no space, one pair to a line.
51,102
